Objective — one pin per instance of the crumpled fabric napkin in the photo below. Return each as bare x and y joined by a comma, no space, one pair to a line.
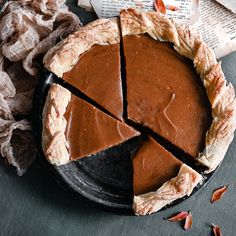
28,29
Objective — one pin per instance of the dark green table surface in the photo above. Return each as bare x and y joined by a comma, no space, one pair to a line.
35,205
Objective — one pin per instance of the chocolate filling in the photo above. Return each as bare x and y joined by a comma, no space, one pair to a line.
153,165
164,93
163,98
90,131
97,75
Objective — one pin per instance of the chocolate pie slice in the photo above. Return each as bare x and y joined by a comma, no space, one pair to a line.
164,91
72,128
159,178
165,94
89,59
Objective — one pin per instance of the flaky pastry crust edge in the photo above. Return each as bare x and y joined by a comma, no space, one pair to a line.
64,56
54,143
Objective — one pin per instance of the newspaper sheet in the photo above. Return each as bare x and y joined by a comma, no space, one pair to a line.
218,27
183,10
230,4
215,22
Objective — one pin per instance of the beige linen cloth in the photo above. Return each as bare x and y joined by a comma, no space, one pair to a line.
28,29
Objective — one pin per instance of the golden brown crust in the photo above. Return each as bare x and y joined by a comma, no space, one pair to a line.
188,43
175,188
54,142
158,26
62,57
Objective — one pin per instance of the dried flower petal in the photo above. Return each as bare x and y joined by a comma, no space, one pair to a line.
216,230
172,8
188,221
181,216
218,193
160,6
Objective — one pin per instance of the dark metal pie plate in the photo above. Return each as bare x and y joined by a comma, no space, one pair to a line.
104,178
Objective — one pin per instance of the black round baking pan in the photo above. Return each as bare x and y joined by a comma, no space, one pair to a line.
104,178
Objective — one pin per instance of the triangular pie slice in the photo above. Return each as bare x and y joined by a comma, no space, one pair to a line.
72,128
164,92
194,110
89,59
159,178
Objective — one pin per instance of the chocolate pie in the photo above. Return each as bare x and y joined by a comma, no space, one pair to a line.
89,60
97,74
174,89
72,128
159,178
180,118
159,82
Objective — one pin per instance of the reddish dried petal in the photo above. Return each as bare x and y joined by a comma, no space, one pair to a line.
218,193
216,230
188,221
160,6
172,8
181,216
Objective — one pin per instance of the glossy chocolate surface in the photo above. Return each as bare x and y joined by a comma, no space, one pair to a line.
97,74
153,165
164,93
90,131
